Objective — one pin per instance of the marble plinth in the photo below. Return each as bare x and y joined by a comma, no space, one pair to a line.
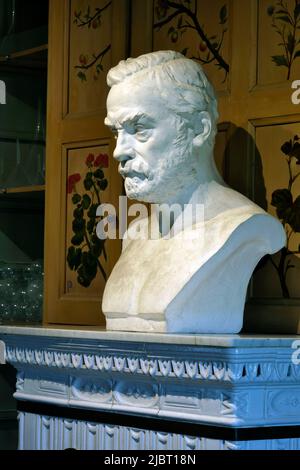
114,390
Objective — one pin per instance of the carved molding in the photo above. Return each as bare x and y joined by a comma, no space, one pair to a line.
157,367
212,385
58,434
285,402
85,389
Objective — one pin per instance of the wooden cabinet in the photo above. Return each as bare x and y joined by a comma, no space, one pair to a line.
23,74
86,38
54,89
236,45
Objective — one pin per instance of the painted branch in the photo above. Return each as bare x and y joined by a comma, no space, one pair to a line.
100,55
98,12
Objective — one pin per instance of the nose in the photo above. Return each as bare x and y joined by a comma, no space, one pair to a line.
124,147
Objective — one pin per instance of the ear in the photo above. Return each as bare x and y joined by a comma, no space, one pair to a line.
202,128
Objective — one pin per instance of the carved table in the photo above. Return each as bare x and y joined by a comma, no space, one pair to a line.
92,389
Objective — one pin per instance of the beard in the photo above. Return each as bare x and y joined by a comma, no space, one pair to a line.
174,173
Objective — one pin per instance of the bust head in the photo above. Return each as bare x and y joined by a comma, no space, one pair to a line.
164,112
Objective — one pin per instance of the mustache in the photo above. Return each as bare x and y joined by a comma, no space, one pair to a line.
135,168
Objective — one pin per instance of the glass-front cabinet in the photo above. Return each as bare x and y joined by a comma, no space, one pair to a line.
23,93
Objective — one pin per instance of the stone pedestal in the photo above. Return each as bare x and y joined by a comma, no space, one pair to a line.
92,389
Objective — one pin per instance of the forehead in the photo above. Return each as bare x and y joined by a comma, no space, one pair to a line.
128,99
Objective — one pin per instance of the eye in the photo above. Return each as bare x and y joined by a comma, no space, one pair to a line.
139,129
141,132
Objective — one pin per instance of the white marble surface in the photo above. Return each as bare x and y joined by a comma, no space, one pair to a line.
98,333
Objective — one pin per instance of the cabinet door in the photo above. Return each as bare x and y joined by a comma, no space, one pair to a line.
86,38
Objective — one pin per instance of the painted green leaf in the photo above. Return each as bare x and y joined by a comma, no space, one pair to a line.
282,12
78,225
282,199
90,265
90,225
280,60
99,173
82,76
287,147
70,257
84,278
76,198
285,18
96,248
223,14
87,271
294,217
78,212
77,258
297,11
88,183
103,184
74,257
77,239
296,151
88,259
92,211
86,201
297,54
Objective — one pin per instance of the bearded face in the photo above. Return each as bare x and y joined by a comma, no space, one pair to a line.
153,145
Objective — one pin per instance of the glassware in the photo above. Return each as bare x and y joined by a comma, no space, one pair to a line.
34,163
7,25
21,292
17,177
34,292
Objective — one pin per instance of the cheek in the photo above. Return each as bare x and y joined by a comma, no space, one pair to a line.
160,143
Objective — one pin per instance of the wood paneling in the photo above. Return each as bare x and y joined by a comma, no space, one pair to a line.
184,32
75,127
86,88
256,112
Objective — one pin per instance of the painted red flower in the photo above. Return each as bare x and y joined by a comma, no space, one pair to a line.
89,159
101,160
72,180
83,59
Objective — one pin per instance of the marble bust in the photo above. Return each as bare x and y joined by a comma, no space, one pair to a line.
163,111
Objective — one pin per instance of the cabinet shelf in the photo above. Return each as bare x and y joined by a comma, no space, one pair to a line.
22,189
24,40
33,58
25,198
